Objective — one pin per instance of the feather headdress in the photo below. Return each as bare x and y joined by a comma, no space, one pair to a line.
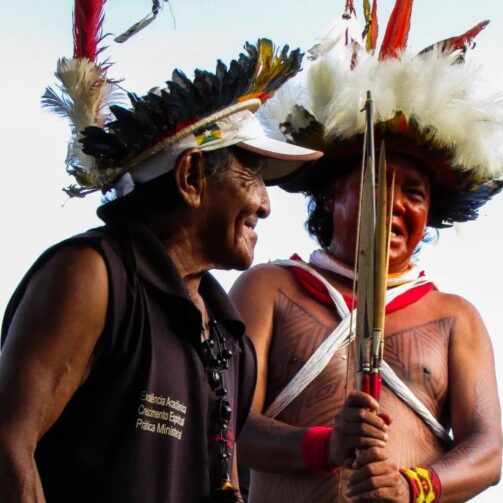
108,140
164,117
84,89
431,105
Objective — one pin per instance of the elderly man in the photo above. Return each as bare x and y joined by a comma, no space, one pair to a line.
441,433
125,374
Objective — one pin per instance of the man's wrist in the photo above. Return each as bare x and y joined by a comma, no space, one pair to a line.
424,484
315,449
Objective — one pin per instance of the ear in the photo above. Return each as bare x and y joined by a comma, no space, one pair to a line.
189,176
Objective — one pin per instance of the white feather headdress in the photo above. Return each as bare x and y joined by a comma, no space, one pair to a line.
447,102
433,102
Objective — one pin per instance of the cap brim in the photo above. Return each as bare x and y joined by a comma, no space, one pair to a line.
284,159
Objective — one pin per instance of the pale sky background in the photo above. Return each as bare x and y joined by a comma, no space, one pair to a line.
35,212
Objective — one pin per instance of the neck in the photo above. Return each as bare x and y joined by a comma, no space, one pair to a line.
326,261
182,245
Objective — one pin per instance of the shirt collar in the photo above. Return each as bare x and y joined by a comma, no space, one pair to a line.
154,265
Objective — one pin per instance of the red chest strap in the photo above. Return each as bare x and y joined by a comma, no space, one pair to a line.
317,290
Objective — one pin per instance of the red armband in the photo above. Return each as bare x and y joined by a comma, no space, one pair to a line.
424,484
314,449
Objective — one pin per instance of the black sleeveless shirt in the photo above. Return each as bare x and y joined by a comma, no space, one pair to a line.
142,428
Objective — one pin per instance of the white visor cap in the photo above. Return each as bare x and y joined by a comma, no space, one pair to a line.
230,127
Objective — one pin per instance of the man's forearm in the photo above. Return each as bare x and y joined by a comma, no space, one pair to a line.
272,446
269,445
470,467
19,479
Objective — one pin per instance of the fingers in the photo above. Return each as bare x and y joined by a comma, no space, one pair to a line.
387,418
366,457
376,479
366,428
383,493
347,437
349,463
363,441
360,407
357,426
364,421
359,399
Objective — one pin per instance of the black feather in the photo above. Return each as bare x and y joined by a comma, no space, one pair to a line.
183,101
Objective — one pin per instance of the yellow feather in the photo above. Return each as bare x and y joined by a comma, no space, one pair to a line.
270,67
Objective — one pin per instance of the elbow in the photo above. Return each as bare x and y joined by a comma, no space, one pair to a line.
496,472
494,476
14,453
494,463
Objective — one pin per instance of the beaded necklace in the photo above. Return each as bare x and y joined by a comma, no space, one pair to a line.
217,356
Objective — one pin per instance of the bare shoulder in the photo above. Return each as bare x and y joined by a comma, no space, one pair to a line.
468,321
272,287
255,294
264,280
75,259
453,304
75,274
68,290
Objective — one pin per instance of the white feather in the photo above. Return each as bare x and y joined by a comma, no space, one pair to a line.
275,110
452,105
84,99
344,30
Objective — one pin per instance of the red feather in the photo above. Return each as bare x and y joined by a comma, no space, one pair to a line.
87,28
455,43
349,8
397,30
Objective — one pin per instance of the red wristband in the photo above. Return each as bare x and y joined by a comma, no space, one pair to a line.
314,448
424,484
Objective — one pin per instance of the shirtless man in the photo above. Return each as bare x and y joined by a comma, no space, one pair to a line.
435,342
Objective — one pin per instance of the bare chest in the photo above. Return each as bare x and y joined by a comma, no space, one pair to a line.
416,351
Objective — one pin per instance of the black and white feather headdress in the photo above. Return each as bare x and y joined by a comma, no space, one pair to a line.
112,145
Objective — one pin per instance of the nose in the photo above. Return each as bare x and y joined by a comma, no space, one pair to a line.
264,209
398,201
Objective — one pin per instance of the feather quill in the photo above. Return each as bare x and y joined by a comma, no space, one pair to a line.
141,24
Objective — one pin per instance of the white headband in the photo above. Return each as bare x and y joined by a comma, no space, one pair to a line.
237,125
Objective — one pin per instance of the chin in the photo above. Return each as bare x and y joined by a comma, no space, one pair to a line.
243,255
243,263
237,261
398,265
399,259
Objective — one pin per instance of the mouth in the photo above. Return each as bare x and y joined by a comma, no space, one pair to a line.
396,231
250,223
